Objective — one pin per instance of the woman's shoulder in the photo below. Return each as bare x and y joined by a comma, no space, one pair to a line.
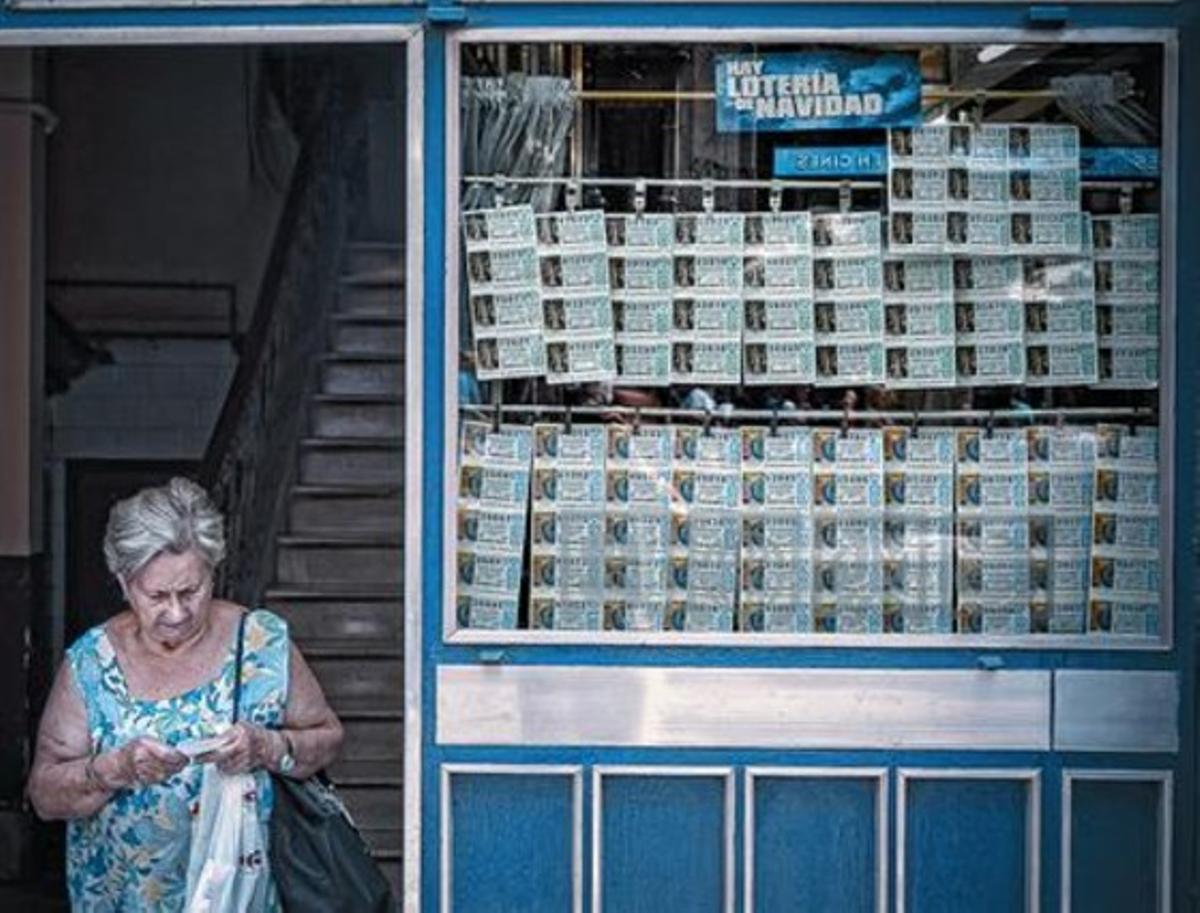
97,641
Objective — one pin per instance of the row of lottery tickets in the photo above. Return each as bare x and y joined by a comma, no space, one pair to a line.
798,298
792,529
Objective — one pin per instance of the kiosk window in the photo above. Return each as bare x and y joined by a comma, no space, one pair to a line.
819,342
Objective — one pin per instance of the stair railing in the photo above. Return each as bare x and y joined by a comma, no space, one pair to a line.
251,459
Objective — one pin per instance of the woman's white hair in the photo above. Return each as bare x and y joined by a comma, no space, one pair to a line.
174,518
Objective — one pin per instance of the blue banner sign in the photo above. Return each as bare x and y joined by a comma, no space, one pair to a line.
830,161
1119,162
818,90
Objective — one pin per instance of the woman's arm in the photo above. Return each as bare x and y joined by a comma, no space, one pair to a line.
66,780
309,724
59,784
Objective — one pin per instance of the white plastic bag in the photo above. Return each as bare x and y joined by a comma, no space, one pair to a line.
227,868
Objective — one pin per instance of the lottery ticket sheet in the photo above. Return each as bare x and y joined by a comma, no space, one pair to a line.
1062,465
848,519
494,478
918,523
919,336
707,315
1126,257
641,277
637,526
1060,321
848,310
705,529
777,325
503,297
566,577
989,321
984,190
992,515
577,315
1125,566
777,506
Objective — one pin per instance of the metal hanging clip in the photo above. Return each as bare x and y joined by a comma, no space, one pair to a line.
845,196
708,192
775,197
573,195
639,196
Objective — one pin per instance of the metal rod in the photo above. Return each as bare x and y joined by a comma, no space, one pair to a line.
1124,413
637,96
726,183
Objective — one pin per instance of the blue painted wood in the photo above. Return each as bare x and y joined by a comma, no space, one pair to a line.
511,850
662,844
965,846
1114,846
814,845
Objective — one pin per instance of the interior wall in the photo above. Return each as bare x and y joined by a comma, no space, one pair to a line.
162,170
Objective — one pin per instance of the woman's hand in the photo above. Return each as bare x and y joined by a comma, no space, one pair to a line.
246,747
140,762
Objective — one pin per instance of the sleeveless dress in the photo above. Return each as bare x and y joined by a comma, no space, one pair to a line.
132,854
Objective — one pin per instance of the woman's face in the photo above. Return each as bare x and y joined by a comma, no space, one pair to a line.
171,597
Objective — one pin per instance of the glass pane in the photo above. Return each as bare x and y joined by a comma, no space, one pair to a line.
811,339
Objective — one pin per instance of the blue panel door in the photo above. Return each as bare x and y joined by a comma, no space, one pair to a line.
511,843
815,844
965,846
1114,846
662,845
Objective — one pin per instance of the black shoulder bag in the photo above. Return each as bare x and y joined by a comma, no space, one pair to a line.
320,862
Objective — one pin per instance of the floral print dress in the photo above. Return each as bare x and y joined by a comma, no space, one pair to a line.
132,854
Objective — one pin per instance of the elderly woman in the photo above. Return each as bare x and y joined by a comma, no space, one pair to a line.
156,676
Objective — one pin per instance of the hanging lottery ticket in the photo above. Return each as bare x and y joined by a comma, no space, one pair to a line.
566,577
705,529
493,497
989,321
918,530
1061,480
706,333
637,526
1126,251
502,292
777,506
641,269
992,503
918,300
1060,320
848,299
848,531
777,328
1126,579
576,305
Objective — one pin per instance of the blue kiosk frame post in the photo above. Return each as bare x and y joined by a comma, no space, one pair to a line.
575,772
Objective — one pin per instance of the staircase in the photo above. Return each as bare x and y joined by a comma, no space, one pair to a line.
339,563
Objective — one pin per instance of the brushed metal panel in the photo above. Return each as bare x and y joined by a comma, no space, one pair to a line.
727,708
1101,710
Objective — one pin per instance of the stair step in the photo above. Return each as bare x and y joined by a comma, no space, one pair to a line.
388,772
380,375
349,648
320,509
332,461
387,274
347,620
366,256
381,333
358,416
356,296
327,559
373,807
361,683
373,736
386,843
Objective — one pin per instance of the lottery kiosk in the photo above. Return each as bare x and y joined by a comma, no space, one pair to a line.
810,495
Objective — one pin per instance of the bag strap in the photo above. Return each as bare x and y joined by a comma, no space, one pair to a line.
237,667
